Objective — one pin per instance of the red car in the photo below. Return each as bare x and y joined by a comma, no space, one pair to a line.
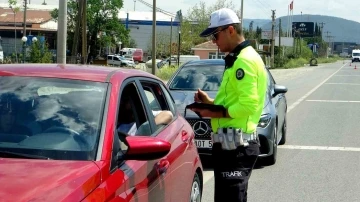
59,139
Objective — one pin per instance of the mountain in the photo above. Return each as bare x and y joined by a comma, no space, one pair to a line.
343,30
257,23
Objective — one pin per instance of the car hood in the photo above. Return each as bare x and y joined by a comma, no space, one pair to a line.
47,180
183,98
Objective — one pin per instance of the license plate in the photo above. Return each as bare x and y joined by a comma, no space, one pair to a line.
203,143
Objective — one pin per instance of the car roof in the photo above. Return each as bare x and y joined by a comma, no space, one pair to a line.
69,71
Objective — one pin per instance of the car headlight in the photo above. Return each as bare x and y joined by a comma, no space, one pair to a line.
264,120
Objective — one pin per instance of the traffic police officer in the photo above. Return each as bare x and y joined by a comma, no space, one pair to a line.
242,94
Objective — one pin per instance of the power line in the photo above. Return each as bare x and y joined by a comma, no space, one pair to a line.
157,9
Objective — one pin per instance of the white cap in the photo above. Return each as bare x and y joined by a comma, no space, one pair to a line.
221,17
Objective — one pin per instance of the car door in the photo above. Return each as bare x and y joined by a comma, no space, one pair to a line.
138,181
180,157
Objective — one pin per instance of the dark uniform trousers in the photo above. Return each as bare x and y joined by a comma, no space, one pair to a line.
232,170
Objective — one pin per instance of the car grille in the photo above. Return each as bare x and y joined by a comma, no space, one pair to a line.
207,135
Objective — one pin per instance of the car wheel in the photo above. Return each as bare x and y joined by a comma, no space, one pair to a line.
195,195
271,160
283,133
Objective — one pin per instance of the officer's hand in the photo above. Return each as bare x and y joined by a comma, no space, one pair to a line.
201,96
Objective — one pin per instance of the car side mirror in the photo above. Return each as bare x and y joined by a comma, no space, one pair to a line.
278,89
143,148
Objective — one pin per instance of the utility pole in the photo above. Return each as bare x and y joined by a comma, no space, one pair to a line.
24,31
280,30
273,38
321,26
170,47
62,33
242,14
328,43
251,29
153,49
84,34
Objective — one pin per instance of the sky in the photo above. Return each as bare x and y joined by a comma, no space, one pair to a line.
253,9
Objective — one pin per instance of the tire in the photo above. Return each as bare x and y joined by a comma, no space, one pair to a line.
313,62
283,133
271,160
195,193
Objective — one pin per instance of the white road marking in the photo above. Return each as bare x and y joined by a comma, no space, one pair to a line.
346,75
355,84
311,91
207,176
322,148
344,101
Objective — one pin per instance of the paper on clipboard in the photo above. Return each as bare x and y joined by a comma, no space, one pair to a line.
199,105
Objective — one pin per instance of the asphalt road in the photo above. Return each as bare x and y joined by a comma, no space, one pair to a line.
321,158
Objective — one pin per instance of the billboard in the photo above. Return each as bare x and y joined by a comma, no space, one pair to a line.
303,29
267,34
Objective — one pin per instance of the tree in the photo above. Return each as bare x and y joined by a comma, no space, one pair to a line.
103,26
131,43
39,53
15,9
197,20
162,44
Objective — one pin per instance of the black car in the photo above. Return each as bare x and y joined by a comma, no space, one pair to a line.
207,75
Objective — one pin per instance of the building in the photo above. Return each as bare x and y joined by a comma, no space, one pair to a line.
38,22
140,25
208,50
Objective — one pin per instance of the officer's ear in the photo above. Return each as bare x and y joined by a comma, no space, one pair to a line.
231,30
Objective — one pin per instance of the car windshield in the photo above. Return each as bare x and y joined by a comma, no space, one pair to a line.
56,118
204,76
356,54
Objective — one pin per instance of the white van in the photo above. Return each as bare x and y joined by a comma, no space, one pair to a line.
355,56
184,58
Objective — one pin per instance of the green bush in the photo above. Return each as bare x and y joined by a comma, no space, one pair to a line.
39,53
165,73
300,62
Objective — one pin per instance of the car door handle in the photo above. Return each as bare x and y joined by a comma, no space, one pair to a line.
162,166
185,136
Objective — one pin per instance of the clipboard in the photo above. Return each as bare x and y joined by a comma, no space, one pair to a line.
199,105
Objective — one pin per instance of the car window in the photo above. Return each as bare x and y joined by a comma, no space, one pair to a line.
109,57
157,101
57,118
205,76
271,81
132,119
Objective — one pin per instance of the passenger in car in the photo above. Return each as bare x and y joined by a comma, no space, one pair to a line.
127,122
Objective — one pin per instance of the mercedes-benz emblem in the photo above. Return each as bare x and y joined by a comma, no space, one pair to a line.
200,128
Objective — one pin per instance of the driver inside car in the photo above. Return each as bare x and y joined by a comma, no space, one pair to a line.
8,118
127,123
